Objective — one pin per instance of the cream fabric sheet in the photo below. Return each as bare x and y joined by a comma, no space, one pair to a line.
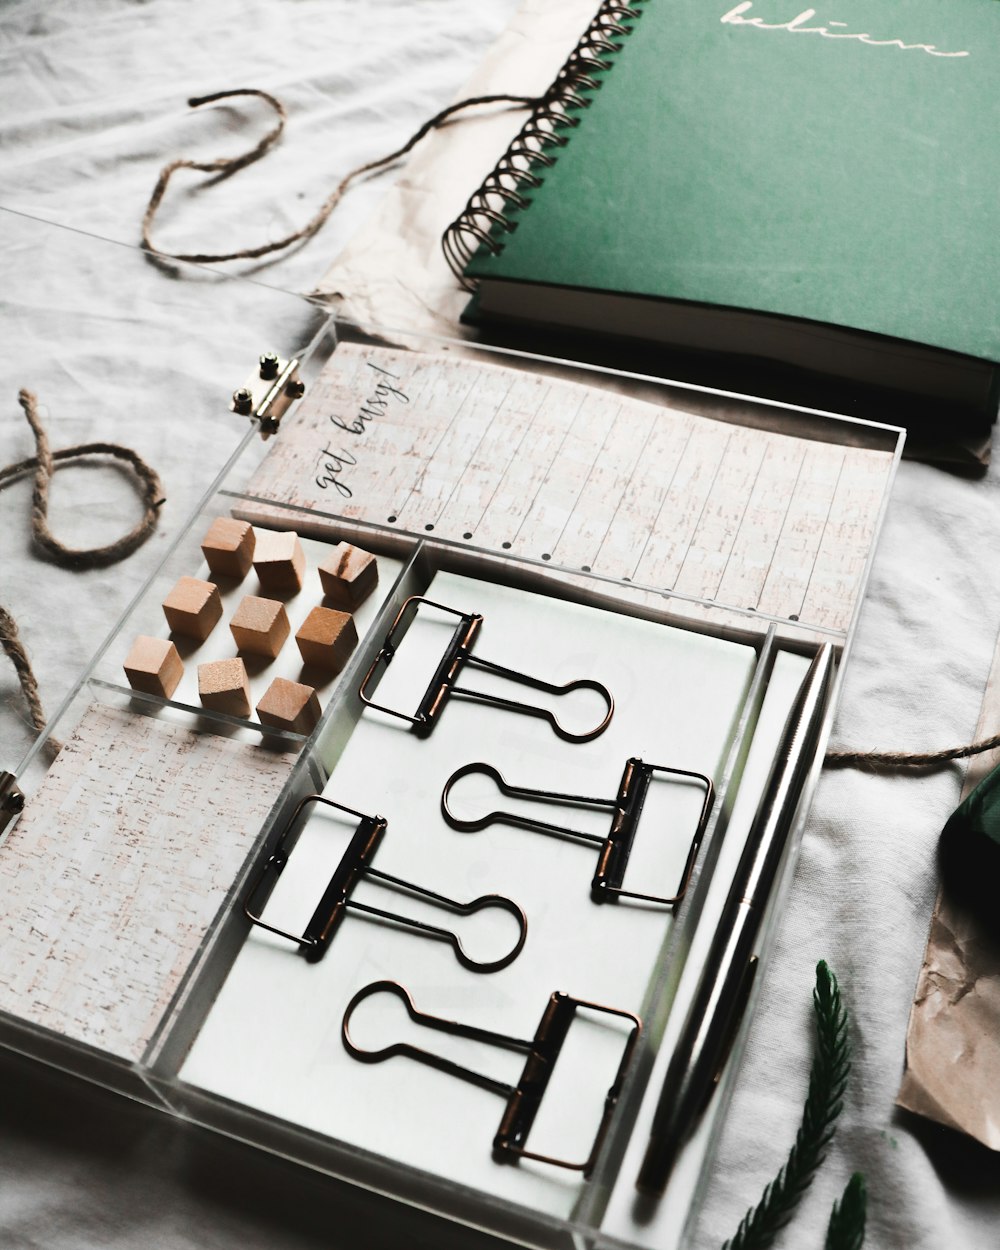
94,103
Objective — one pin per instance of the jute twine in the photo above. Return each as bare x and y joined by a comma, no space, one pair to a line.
894,761
225,166
44,464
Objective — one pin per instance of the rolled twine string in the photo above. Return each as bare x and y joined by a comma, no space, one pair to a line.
44,464
225,166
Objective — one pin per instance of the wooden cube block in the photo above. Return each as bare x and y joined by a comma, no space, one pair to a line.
228,547
289,705
223,686
349,575
193,608
279,559
260,626
154,666
326,638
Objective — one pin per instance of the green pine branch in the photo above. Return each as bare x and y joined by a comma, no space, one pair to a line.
827,1079
846,1230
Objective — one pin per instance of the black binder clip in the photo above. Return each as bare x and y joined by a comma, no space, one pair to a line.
626,810
457,657
524,1098
355,864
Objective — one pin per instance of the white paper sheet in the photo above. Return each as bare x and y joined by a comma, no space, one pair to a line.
677,696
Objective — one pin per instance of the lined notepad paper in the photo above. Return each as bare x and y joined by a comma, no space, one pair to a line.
585,479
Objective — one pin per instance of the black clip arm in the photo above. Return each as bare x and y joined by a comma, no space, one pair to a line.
626,810
459,656
523,1099
355,864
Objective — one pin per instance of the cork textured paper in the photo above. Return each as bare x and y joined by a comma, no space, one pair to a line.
117,868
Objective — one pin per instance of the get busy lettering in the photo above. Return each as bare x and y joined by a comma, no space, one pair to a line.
335,462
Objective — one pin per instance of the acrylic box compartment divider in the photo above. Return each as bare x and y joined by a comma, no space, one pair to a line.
193,1023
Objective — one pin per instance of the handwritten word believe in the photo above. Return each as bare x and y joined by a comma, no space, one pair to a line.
333,463
797,27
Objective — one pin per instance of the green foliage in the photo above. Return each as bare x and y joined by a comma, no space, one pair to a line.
827,1079
846,1230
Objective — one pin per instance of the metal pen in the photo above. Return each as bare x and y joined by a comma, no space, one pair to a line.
731,964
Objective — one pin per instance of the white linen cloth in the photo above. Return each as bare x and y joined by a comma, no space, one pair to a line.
94,104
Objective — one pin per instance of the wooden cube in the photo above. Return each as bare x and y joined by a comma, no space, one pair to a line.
193,608
154,666
224,686
279,559
260,626
326,638
289,705
228,547
349,575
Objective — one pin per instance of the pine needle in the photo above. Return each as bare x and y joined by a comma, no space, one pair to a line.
846,1230
827,1079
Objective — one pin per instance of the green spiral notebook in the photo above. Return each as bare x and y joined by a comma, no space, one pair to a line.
810,186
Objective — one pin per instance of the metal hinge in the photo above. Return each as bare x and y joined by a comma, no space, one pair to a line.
266,394
11,799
